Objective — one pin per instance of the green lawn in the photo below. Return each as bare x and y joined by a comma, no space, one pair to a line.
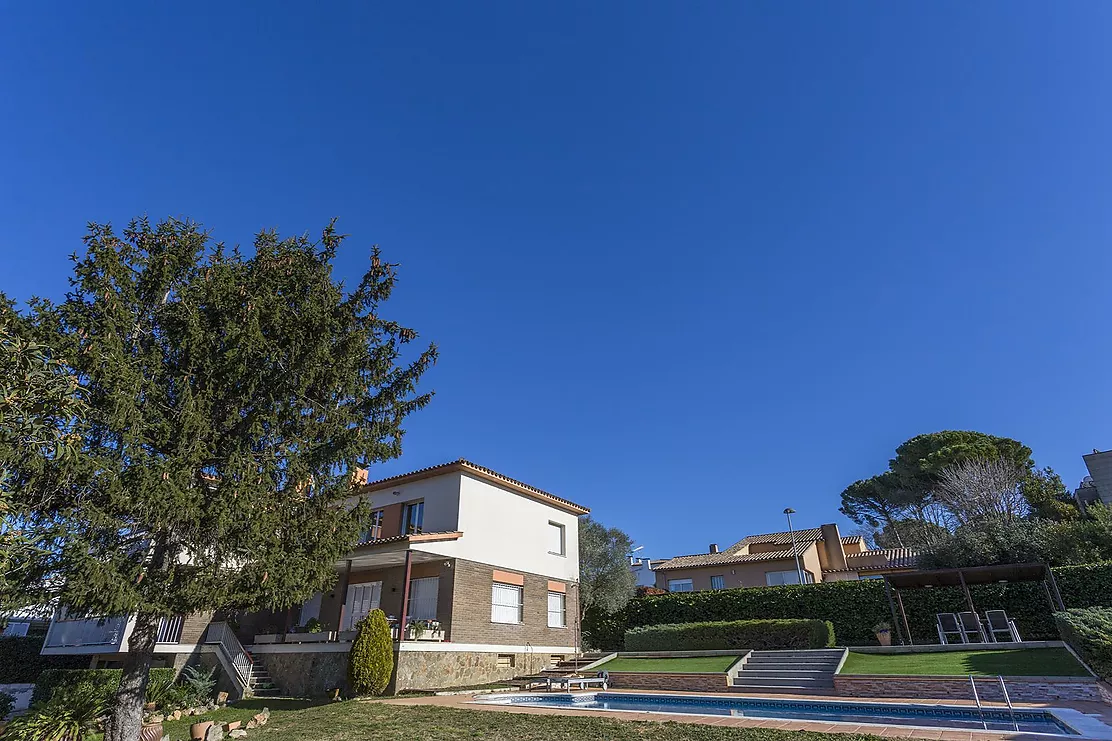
1040,662
350,721
695,664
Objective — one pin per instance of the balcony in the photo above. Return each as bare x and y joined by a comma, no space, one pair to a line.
102,635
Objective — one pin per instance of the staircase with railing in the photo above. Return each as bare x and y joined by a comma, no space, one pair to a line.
231,653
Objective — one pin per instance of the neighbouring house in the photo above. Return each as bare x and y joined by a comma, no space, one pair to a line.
1097,486
643,570
770,560
478,574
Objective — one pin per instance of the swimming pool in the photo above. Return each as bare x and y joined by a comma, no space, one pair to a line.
1030,720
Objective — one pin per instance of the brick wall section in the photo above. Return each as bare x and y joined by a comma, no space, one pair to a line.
701,682
193,627
1021,689
471,604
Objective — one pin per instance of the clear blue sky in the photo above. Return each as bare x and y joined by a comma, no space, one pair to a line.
687,263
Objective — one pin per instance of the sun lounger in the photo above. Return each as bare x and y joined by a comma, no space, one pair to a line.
1000,626
602,680
972,628
948,625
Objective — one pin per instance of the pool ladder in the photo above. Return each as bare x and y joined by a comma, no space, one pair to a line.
1007,699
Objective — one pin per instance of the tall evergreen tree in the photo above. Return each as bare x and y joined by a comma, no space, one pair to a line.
230,396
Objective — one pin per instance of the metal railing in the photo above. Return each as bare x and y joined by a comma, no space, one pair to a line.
977,699
1007,699
223,635
169,629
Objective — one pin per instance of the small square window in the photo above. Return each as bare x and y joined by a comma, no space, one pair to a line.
505,661
556,543
718,582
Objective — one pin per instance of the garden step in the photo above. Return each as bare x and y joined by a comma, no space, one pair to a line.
745,681
759,673
783,689
833,661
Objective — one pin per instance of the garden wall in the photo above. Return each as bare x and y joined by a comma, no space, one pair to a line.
854,607
1020,689
675,682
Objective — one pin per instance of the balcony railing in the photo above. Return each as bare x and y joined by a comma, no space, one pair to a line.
91,632
169,629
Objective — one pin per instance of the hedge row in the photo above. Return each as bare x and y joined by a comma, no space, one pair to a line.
105,681
737,634
1089,632
854,607
21,660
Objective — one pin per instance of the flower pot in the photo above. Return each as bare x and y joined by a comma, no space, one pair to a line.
197,730
885,637
150,732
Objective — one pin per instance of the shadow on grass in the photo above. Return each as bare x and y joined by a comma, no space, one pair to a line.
279,703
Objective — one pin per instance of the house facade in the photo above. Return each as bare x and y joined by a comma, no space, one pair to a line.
770,560
478,574
1097,486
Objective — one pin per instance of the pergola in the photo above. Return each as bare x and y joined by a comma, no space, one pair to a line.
964,578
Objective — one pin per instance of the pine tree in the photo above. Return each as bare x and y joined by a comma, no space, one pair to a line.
230,397
371,661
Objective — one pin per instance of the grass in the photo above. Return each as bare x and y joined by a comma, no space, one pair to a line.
693,664
350,721
178,730
1024,662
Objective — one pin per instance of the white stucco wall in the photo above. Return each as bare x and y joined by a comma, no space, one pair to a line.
510,531
441,495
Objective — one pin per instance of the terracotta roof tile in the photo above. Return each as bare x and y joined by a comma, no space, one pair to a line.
894,558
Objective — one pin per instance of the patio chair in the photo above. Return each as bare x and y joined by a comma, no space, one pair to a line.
972,628
948,625
1000,625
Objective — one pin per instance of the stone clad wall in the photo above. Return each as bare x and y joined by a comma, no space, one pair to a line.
310,674
434,670
686,682
1020,689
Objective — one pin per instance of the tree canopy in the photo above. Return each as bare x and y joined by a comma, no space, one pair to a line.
605,580
229,398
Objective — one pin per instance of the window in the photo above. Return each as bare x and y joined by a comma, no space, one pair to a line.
680,585
505,661
557,611
718,582
556,543
14,630
362,598
422,598
414,518
870,576
777,578
374,527
505,604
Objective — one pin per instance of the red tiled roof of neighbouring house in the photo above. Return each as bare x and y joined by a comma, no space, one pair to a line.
893,558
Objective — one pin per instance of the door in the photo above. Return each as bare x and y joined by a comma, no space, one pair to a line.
362,598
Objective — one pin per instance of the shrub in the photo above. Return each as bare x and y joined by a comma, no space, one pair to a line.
372,655
1089,632
21,660
72,713
737,634
102,682
200,681
7,702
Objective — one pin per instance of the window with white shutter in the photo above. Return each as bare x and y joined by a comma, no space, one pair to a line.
557,612
505,603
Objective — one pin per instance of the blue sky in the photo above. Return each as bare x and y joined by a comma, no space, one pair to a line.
687,263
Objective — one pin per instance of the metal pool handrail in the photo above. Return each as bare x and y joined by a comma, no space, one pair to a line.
977,699
1011,710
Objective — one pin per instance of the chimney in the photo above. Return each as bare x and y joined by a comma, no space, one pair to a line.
714,548
832,544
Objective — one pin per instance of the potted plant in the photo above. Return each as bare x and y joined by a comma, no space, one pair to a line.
883,632
416,630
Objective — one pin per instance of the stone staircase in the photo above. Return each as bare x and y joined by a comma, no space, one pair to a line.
261,683
789,672
572,665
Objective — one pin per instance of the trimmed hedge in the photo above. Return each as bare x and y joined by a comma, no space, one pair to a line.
758,635
1089,632
22,662
854,607
103,680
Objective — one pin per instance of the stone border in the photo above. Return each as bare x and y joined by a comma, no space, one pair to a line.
1021,689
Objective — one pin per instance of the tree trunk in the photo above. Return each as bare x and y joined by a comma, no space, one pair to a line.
127,713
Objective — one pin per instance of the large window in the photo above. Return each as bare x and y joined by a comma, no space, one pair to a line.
556,544
422,598
506,604
362,598
374,527
680,585
718,582
557,610
414,518
778,578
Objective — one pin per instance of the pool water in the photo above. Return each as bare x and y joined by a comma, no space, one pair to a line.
936,716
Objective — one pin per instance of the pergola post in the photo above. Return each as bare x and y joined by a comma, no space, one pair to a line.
1054,587
405,595
892,607
965,589
903,614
